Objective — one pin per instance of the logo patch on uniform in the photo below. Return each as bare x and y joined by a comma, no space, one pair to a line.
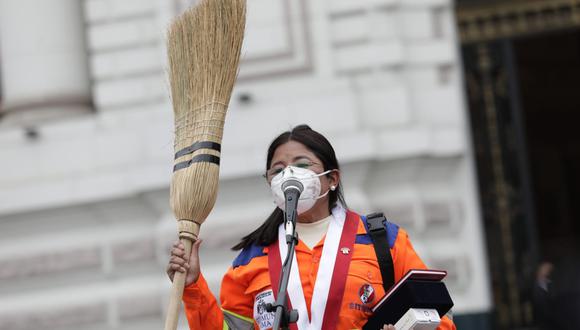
366,294
264,319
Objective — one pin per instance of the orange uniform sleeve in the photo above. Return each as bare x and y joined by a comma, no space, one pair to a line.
201,308
404,259
203,311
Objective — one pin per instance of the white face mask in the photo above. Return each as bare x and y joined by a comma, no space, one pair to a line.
310,181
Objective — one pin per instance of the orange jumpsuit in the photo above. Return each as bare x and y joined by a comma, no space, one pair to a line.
247,284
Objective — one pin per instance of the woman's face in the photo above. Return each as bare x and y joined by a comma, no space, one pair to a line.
295,153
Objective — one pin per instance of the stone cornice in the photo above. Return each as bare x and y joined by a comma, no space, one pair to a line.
479,23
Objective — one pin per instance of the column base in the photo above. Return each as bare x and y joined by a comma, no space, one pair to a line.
39,112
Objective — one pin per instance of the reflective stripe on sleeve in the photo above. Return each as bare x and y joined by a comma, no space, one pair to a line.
233,321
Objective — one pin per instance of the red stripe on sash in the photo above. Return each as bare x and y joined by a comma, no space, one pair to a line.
339,275
275,268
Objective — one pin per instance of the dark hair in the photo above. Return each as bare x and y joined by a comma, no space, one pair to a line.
267,233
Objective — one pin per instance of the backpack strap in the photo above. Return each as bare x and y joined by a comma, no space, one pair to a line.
377,230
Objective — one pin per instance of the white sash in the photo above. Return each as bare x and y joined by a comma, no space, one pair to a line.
325,272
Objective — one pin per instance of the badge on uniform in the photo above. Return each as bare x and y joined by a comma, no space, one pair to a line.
366,294
264,319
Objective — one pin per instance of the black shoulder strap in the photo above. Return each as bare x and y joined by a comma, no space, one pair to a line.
377,229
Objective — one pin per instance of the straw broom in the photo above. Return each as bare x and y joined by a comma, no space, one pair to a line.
204,52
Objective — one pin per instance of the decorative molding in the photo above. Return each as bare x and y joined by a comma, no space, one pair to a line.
98,12
51,263
515,18
95,22
293,56
59,101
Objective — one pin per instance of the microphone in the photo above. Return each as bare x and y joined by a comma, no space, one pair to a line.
292,189
292,184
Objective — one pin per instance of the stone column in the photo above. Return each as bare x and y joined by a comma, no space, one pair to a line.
43,61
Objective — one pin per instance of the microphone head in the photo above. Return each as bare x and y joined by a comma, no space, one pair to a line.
292,184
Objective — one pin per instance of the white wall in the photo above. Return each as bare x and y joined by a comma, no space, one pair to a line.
85,206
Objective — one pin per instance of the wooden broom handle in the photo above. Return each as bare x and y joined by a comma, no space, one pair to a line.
177,291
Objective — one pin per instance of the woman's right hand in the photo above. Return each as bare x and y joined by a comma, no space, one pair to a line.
178,262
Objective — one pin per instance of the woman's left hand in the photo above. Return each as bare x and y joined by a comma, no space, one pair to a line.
389,327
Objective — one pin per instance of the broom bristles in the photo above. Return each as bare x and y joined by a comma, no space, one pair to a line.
204,52
204,46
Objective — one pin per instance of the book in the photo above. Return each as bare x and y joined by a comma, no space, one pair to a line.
419,288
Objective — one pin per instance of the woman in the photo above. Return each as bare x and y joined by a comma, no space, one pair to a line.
332,288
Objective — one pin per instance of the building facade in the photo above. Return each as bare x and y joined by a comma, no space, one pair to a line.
86,144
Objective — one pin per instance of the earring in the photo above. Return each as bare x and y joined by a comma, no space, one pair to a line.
333,187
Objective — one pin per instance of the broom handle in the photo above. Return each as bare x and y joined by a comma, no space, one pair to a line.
177,291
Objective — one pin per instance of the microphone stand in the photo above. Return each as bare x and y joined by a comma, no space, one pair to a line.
283,315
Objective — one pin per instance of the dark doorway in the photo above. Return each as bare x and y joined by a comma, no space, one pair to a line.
549,77
524,104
